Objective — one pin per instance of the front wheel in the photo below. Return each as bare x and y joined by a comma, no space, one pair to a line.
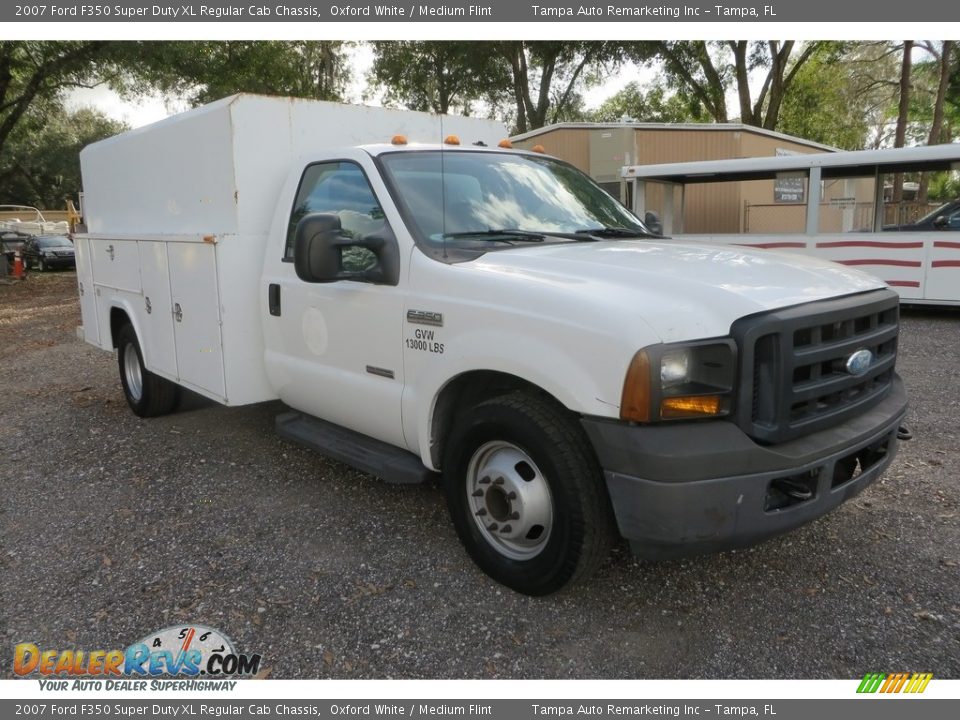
148,395
42,265
526,494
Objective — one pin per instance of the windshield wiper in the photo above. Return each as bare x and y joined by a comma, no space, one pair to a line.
505,235
613,232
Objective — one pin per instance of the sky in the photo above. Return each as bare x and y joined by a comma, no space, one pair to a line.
146,110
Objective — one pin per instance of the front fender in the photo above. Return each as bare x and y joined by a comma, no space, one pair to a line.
588,383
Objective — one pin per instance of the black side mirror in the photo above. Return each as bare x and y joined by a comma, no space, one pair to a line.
316,258
941,221
318,254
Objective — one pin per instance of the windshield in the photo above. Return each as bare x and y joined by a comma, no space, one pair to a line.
457,198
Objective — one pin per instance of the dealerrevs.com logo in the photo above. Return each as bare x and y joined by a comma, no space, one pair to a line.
181,651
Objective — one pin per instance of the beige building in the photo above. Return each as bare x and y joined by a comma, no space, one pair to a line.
762,206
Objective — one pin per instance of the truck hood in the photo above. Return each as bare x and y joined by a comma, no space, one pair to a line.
682,290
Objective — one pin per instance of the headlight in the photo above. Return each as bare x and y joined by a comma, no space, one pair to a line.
49,253
674,368
681,381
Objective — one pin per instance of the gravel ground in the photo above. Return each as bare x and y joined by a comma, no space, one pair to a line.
112,527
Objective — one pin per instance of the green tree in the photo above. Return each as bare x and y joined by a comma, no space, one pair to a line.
40,164
703,71
691,71
41,72
933,115
439,76
944,186
35,72
952,98
652,105
209,70
547,77
827,103
529,84
36,75
940,118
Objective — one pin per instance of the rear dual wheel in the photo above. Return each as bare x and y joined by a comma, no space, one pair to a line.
526,493
148,395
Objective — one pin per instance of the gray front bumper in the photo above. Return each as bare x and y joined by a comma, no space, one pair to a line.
685,489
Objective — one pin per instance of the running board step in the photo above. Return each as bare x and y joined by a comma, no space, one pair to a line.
359,451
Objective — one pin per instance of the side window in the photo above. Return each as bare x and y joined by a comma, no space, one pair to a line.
339,188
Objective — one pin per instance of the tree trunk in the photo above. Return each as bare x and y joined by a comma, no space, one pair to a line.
715,83
565,97
739,49
765,111
514,52
537,114
903,112
936,127
778,83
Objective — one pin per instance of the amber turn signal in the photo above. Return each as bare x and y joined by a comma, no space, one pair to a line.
635,399
686,406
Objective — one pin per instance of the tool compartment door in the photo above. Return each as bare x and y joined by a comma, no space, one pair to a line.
156,324
115,263
88,298
195,307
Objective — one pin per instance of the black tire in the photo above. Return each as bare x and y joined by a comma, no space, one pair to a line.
487,439
41,265
152,395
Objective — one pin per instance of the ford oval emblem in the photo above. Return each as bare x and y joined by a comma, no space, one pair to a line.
859,362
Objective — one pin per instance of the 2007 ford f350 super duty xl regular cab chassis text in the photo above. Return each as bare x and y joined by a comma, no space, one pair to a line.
490,316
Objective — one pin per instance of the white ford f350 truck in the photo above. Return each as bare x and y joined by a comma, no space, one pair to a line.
489,316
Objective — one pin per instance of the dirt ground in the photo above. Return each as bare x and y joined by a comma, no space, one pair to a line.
112,527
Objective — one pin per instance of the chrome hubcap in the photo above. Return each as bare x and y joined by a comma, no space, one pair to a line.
131,369
509,499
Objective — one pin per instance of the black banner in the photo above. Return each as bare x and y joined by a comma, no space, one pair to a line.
483,709
540,11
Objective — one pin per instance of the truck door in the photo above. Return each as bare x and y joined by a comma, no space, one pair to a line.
334,349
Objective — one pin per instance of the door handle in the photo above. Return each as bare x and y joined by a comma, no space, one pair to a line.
177,312
273,299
